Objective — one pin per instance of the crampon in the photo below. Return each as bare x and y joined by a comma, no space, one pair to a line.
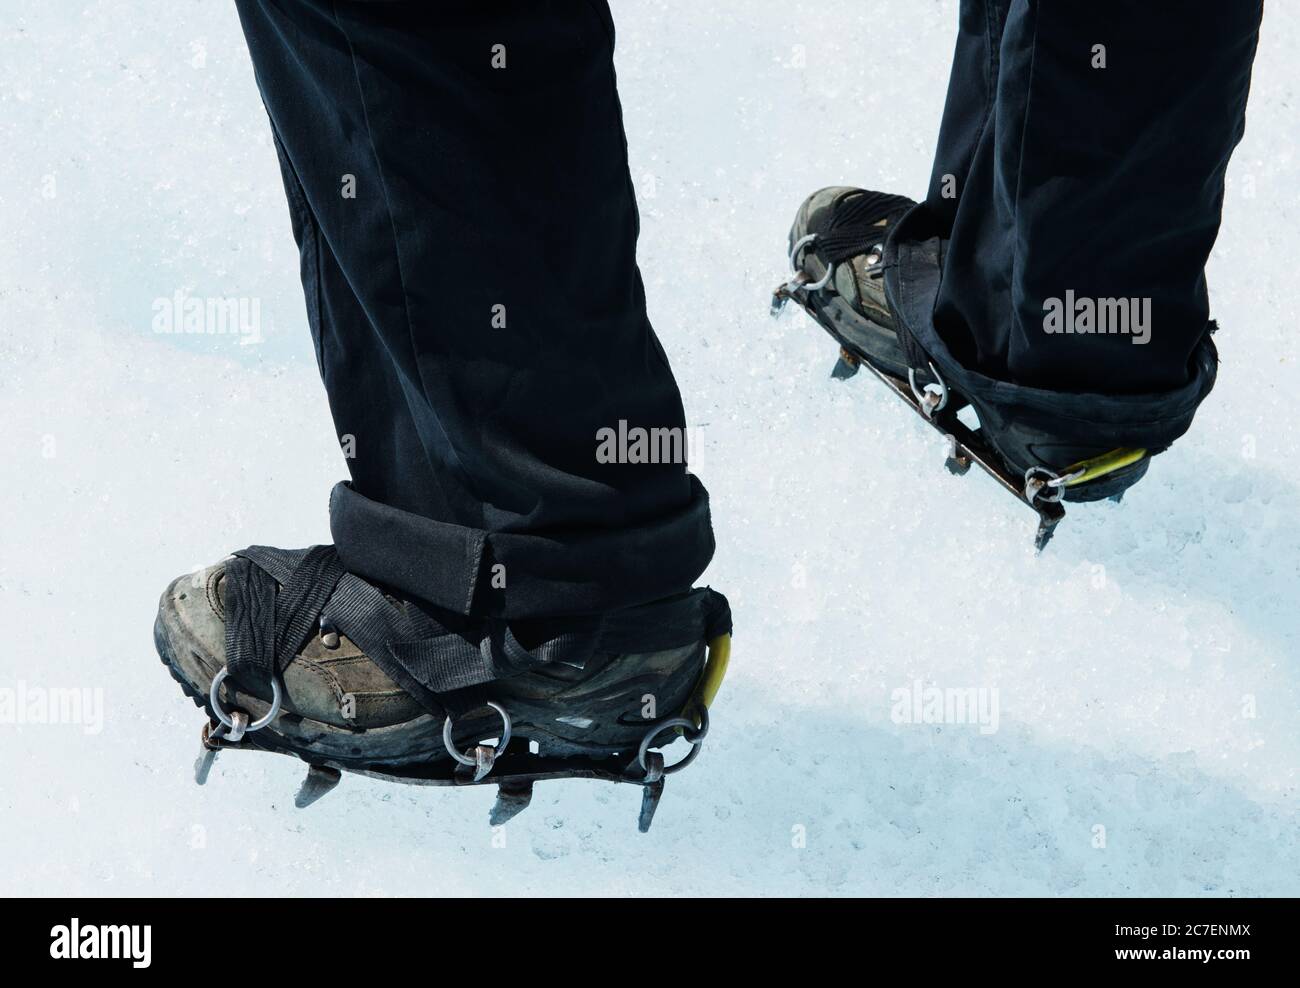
838,259
287,653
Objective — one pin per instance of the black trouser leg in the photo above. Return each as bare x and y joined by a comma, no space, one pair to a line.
457,174
1071,171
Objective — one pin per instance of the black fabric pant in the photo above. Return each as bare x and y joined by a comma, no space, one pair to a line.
458,183
1083,150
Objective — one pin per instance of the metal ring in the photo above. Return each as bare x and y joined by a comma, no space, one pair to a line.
695,738
1055,481
794,266
794,251
921,394
214,697
1051,483
450,745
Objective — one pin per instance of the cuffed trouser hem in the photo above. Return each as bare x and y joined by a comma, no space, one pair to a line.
1154,420
512,576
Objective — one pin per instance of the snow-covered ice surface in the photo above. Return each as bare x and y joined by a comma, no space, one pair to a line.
1146,664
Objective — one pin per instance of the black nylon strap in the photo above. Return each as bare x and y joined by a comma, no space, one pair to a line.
300,602
362,612
455,668
250,625
275,597
449,662
266,626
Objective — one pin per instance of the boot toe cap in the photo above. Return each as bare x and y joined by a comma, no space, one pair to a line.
338,686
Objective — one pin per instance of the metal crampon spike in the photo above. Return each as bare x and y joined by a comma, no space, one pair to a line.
485,757
320,780
846,366
958,461
208,753
652,790
203,766
1046,528
513,798
958,466
650,797
785,291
